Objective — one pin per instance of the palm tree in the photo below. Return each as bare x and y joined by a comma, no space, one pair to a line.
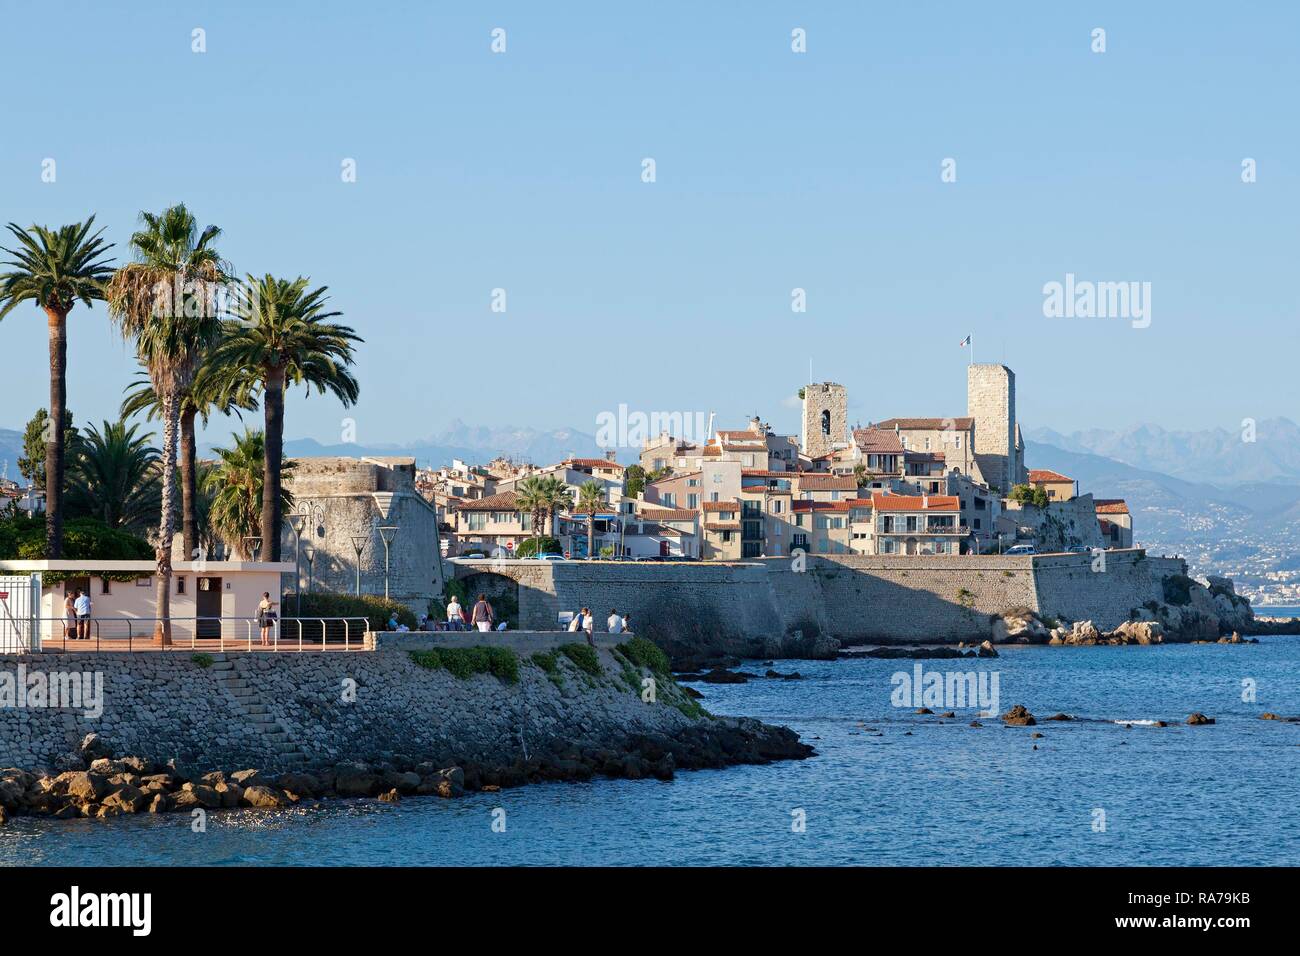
54,269
591,498
286,339
213,389
529,497
556,496
234,484
163,301
114,477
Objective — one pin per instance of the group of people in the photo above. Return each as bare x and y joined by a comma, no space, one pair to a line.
482,617
76,613
585,622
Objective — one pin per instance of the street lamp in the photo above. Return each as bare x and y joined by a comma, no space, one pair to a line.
359,545
309,553
387,532
297,520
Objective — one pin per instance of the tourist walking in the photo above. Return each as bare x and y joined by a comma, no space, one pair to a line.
266,616
483,615
455,615
82,606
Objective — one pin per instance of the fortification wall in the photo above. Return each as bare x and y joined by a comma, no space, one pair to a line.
776,607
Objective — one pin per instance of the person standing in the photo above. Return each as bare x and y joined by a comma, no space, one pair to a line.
70,614
588,625
266,616
82,606
455,615
483,615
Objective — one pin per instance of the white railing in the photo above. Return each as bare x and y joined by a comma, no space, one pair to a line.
207,633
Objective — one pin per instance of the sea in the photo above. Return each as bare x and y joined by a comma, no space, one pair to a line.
888,786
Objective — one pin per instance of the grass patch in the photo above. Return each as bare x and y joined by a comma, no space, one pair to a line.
463,662
644,652
965,598
203,660
549,662
584,657
628,671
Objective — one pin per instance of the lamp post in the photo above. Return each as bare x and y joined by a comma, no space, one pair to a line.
387,532
309,553
359,545
297,520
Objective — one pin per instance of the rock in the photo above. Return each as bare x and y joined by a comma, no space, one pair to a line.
1059,717
4,816
391,796
246,777
160,803
1198,718
692,693
82,786
70,761
1269,715
204,795
924,710
1036,735
231,794
986,650
355,780
444,783
93,747
305,784
948,713
1018,716
976,723
127,799
402,782
262,797
722,676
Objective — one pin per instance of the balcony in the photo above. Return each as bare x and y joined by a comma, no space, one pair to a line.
961,529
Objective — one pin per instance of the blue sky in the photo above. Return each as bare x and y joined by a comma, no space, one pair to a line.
775,170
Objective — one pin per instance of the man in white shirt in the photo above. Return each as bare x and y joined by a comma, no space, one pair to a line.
82,606
615,623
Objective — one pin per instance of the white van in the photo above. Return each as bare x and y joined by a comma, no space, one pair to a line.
1021,549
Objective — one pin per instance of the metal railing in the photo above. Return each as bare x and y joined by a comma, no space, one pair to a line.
296,634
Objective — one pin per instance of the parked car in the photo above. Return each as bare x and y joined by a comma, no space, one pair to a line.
549,557
1021,549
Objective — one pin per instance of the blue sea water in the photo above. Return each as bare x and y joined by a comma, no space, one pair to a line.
888,787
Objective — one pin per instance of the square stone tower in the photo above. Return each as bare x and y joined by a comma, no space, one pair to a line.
991,401
825,418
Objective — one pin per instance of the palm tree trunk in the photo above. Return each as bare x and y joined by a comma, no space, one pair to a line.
162,634
54,446
591,535
189,490
273,402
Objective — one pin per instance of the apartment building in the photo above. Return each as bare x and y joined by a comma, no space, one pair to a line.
915,524
1115,522
1057,486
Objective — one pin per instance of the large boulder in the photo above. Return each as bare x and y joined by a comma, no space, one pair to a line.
81,786
127,799
353,779
93,747
1019,716
263,797
1197,719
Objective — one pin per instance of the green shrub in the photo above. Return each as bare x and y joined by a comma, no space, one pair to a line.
548,661
22,537
375,609
542,545
584,656
203,660
644,652
463,662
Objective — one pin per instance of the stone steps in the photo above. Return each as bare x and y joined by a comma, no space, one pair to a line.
256,713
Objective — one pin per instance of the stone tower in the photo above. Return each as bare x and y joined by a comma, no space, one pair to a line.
991,401
825,419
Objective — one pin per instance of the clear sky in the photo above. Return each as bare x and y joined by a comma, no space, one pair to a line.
774,171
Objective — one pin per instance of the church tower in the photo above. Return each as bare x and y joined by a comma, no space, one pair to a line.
991,402
825,419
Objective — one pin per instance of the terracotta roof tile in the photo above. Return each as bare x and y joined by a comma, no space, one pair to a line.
915,503
1111,506
1042,474
928,424
505,501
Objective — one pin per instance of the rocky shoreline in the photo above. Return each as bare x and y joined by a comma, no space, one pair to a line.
107,786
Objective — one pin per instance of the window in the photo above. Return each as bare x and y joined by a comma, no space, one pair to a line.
747,460
776,506
526,520
180,584
726,537
798,521
692,501
477,521
927,442
956,440
977,524
826,422
714,496
104,586
668,498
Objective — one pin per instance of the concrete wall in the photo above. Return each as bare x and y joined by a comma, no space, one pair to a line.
775,605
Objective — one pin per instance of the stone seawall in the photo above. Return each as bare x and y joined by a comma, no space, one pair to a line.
317,709
773,608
